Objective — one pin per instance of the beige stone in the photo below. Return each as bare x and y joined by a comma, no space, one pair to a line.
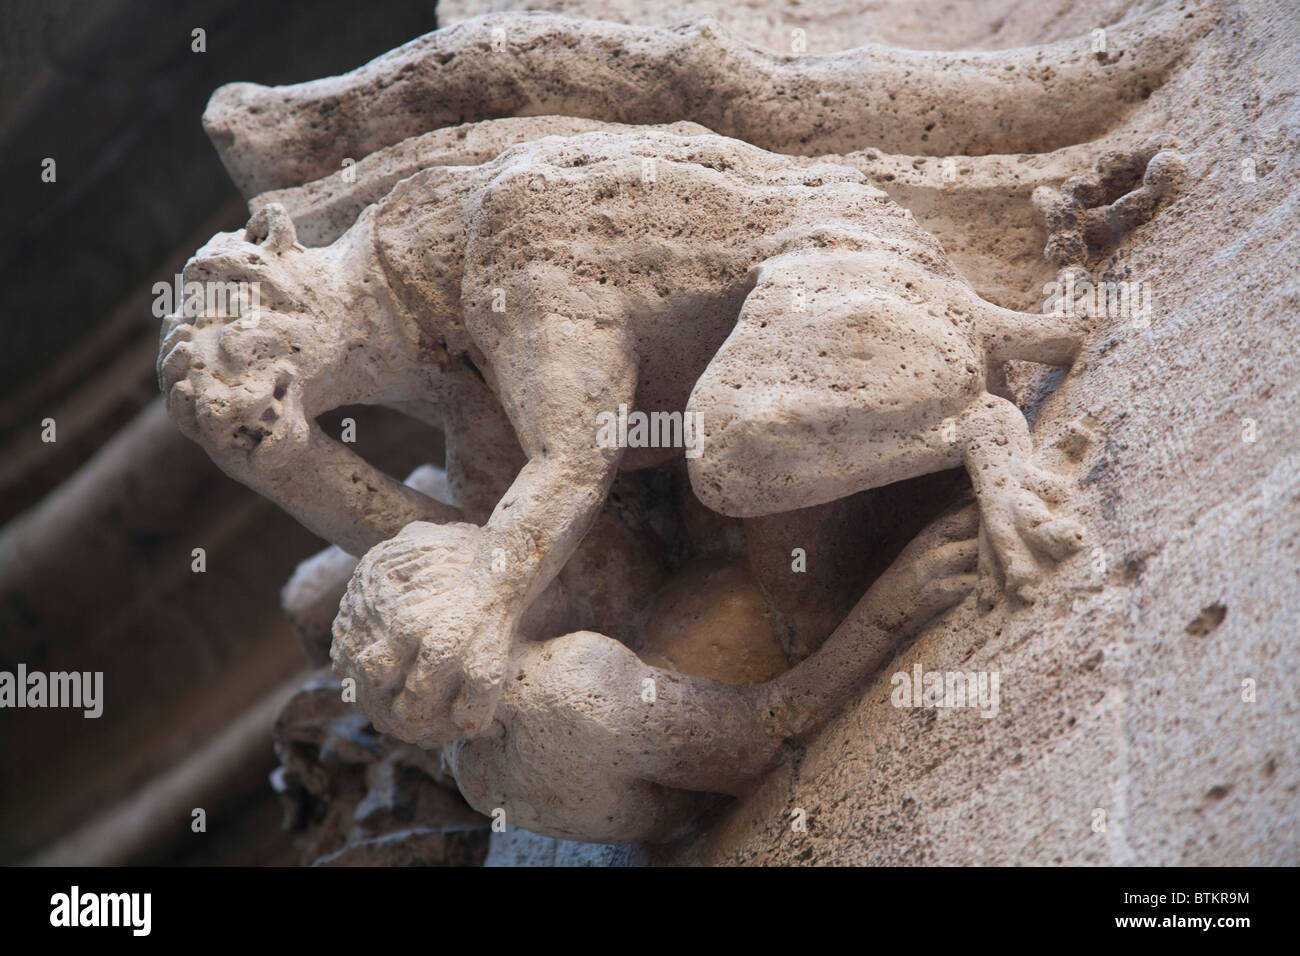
588,741
833,343
713,621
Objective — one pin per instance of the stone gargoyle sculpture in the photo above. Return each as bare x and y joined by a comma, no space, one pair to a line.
797,334
618,750
875,376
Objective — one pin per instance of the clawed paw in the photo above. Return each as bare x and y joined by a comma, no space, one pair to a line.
1092,211
1020,536
936,571
423,641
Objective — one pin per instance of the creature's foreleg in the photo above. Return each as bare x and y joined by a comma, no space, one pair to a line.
558,361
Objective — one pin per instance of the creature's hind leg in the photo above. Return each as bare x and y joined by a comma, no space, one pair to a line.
1046,338
1017,526
831,382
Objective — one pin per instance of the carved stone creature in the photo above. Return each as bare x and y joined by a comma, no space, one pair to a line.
818,339
821,338
590,742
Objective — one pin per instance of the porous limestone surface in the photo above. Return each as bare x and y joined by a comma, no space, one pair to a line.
715,228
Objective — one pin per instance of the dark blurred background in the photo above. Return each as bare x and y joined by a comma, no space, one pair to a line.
97,528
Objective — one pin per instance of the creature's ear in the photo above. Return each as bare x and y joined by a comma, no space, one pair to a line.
272,228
